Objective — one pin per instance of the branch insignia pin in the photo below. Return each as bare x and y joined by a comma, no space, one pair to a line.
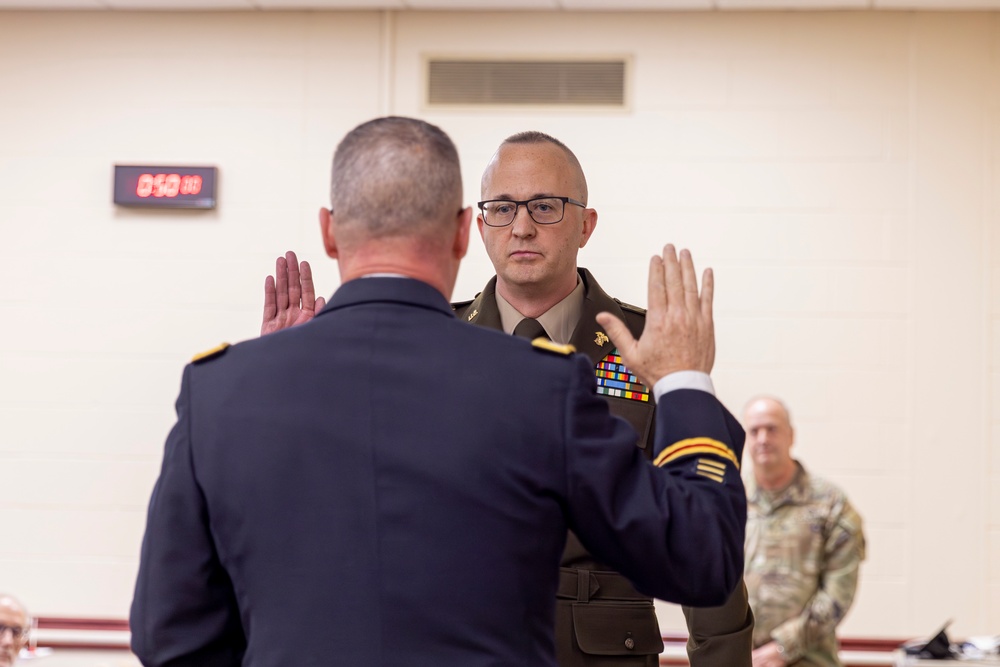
601,338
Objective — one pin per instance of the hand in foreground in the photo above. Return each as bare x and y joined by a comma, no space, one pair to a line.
289,295
768,656
679,334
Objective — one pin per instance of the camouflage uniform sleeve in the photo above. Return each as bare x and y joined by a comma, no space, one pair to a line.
844,549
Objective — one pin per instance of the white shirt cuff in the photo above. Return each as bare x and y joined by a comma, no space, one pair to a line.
683,380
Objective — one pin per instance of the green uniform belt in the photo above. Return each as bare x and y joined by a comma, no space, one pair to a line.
586,585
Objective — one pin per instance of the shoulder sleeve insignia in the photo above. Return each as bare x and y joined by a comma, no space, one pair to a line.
629,307
548,346
210,354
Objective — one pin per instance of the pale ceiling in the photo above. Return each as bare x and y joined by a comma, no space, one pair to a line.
495,5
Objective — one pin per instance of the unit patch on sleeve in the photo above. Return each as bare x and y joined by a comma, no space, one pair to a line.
614,379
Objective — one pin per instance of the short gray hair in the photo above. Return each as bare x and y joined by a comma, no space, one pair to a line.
395,176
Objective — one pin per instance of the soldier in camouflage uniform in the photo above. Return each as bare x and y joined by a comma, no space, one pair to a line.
804,544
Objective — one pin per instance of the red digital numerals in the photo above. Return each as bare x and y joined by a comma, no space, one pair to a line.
167,185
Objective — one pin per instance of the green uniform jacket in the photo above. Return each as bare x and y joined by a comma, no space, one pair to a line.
601,620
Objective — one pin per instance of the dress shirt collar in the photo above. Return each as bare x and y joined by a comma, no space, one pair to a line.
559,321
400,290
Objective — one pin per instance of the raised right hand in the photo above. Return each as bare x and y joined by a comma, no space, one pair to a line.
679,334
289,295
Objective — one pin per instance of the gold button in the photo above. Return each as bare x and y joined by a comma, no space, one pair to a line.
630,643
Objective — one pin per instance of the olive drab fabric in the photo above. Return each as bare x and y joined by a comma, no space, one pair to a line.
606,630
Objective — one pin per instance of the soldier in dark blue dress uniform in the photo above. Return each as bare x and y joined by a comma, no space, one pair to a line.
386,485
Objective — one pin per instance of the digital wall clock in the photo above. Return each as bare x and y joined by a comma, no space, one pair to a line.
165,187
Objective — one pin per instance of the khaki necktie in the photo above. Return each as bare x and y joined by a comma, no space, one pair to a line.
530,328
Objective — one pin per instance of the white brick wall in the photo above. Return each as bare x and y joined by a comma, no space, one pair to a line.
841,172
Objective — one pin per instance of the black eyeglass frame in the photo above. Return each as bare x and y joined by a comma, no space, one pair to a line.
524,203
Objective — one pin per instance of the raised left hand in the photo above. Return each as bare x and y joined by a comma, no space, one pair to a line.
289,295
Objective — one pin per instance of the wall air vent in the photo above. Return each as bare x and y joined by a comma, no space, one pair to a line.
526,82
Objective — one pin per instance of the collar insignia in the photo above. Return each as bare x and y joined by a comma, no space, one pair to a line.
601,339
472,315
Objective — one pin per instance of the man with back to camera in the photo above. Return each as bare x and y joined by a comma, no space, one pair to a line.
533,221
14,627
322,502
804,546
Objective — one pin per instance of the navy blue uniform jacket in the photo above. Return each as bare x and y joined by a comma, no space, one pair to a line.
386,485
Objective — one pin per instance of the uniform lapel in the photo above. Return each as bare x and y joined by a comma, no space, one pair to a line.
483,311
589,337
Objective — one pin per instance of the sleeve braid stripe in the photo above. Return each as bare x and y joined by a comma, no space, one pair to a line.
711,463
696,446
710,470
711,476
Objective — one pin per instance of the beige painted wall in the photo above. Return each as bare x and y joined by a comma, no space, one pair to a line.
841,172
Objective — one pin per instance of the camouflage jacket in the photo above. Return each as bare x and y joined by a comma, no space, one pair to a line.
803,548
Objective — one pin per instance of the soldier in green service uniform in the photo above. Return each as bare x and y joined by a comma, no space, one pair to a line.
534,220
804,543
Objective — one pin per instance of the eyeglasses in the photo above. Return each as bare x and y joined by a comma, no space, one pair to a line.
543,210
16,631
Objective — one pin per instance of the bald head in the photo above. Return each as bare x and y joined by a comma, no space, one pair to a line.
533,137
765,401
15,623
769,441
395,177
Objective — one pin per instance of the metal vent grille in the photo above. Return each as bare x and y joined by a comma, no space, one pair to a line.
507,82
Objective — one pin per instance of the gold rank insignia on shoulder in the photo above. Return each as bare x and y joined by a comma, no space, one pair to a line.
547,345
601,339
210,354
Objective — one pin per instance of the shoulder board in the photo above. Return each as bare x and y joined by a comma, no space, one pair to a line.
548,346
459,305
210,354
629,307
